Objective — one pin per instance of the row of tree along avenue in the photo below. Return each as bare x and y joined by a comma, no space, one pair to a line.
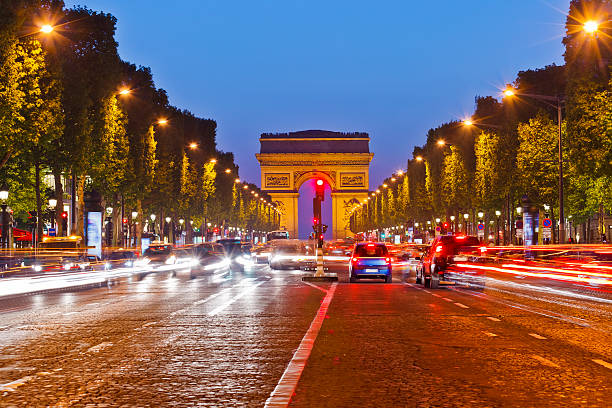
482,169
74,118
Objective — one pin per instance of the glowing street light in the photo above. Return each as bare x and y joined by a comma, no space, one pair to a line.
441,142
468,122
237,180
419,158
162,121
509,92
591,27
46,29
193,145
228,171
125,91
213,161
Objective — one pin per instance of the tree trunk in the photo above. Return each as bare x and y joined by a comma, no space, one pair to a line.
39,225
115,219
59,208
79,227
139,222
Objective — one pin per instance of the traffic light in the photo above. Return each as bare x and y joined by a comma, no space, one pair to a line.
324,228
64,221
320,189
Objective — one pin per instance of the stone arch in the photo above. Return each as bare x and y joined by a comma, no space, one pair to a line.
288,160
302,177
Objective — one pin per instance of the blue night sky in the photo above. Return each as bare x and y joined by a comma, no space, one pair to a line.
392,68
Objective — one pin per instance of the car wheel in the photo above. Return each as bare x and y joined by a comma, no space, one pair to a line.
418,279
389,278
435,280
427,282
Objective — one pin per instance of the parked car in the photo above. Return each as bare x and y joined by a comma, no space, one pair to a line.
370,260
440,263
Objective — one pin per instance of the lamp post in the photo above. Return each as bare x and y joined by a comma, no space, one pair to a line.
134,238
4,194
557,103
466,216
497,214
168,219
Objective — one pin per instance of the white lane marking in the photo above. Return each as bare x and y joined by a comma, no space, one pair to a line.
436,295
10,386
545,361
70,313
426,291
448,300
99,347
240,295
281,396
462,305
603,363
537,336
315,286
493,319
490,334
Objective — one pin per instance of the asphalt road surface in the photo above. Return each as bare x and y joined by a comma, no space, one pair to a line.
265,337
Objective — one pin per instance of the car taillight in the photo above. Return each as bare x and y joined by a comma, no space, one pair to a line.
388,260
439,248
355,260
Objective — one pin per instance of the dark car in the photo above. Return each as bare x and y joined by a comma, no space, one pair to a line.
210,256
122,258
370,260
443,261
237,253
160,253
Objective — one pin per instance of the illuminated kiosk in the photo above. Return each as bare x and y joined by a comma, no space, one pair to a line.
288,160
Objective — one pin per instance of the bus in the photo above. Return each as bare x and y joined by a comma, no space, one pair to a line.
280,234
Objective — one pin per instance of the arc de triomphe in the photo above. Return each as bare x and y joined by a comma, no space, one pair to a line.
287,160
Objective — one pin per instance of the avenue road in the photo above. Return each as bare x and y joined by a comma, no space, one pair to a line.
246,339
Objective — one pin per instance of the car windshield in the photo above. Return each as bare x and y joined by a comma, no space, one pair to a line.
371,250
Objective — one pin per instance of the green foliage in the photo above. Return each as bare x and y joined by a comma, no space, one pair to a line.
455,181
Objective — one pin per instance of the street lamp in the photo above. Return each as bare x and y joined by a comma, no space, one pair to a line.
4,194
168,219
153,216
555,102
419,158
193,145
468,122
480,214
46,29
591,27
497,214
162,121
52,205
134,214
465,217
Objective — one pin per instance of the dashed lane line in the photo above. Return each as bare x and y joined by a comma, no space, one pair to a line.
281,396
462,305
436,295
603,363
490,334
14,384
493,319
545,361
537,336
448,300
240,295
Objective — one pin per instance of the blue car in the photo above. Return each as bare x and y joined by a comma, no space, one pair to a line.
370,260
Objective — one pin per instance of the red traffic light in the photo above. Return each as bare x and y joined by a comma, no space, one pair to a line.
315,221
125,220
445,225
321,236
216,230
64,214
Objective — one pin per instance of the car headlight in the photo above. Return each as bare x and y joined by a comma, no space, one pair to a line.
107,265
170,260
37,268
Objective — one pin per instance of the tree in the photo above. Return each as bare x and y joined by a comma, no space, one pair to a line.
487,179
537,159
455,181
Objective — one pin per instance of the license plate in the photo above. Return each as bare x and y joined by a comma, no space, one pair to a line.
371,270
460,258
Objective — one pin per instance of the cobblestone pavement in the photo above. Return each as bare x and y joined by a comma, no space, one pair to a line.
225,340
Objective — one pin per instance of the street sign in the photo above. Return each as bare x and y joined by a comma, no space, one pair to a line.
480,227
52,232
438,229
546,232
546,222
519,233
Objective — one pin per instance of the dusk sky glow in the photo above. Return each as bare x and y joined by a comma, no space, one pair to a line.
393,69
